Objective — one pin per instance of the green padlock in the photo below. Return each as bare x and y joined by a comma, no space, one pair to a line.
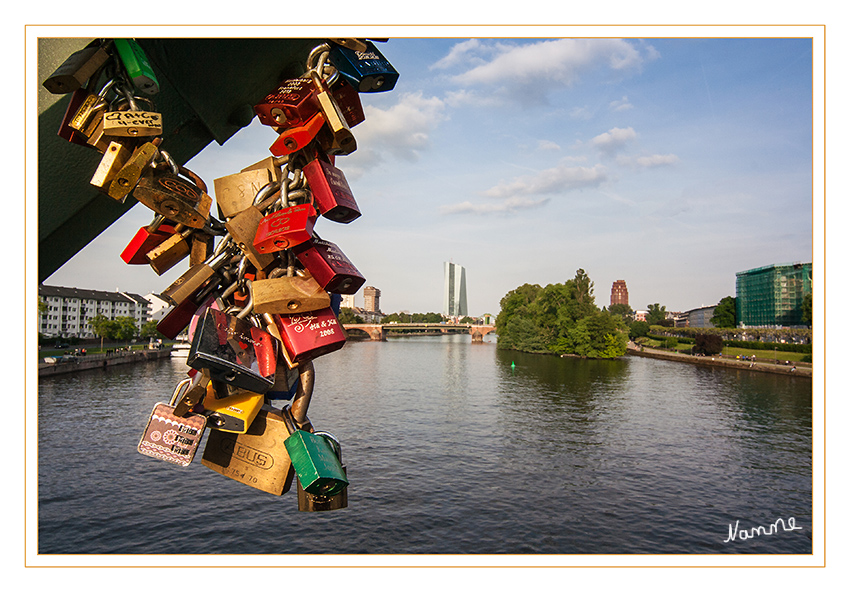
137,66
317,466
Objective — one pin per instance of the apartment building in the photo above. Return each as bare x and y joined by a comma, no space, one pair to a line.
70,309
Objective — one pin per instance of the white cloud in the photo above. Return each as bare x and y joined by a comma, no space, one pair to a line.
403,130
458,53
656,160
621,105
556,180
560,60
614,139
547,145
504,206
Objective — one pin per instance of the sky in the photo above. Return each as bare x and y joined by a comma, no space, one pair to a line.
670,163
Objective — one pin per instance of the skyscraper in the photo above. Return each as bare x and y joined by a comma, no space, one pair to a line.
619,293
372,299
454,293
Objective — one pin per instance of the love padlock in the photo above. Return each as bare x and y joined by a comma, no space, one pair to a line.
310,335
329,266
285,228
331,194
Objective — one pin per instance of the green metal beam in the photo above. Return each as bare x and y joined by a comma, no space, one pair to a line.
207,90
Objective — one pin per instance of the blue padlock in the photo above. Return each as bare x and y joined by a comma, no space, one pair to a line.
367,71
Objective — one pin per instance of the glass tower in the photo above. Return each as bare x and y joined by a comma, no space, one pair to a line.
454,293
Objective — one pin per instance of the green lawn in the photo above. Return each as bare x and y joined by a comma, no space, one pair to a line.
760,354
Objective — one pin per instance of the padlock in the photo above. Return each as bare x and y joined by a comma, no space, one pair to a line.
114,158
257,458
169,437
146,239
90,113
175,197
367,71
310,335
351,43
234,352
329,266
292,103
286,383
331,194
132,121
137,66
236,192
297,137
285,228
272,164
66,132
243,226
316,464
311,502
77,69
288,295
196,277
170,252
336,127
348,100
234,413
201,247
128,177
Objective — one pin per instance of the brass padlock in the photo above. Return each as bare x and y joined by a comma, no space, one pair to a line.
257,458
170,252
341,139
127,178
191,282
114,158
132,121
234,193
273,164
288,295
175,197
90,113
243,226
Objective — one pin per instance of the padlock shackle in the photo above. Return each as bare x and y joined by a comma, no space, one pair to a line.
334,442
178,390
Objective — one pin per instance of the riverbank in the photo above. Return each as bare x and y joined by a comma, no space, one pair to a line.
100,361
719,361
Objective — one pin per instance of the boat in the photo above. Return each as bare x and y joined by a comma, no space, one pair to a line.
181,347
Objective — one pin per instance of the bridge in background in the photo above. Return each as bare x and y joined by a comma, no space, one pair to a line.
379,332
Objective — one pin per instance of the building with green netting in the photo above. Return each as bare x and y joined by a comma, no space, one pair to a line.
772,296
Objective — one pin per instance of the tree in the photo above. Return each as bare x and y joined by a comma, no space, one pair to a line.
656,314
638,329
724,313
708,344
347,317
149,330
101,326
125,328
624,311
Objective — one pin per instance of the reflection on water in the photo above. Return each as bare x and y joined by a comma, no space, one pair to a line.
451,448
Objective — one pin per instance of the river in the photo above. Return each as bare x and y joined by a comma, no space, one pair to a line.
451,448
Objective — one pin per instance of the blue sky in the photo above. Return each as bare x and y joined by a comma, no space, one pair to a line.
670,163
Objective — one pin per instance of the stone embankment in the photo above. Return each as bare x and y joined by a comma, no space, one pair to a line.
769,366
100,361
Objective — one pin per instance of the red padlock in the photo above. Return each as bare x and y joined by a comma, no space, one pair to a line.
329,266
292,103
178,318
66,132
310,335
146,239
285,228
331,194
297,137
348,100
